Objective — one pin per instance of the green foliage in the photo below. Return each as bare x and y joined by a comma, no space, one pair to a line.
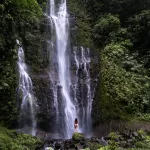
141,132
15,141
19,20
113,135
139,26
124,88
145,144
122,40
94,146
112,143
31,5
7,65
77,136
42,3
123,8
80,29
104,28
105,148
139,143
132,149
143,116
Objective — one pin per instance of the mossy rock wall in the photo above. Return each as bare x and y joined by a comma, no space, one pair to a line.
19,21
46,112
10,139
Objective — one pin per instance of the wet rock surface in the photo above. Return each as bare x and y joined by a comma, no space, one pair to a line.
48,91
63,145
125,139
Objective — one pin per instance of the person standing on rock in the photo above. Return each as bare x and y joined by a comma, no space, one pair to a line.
76,124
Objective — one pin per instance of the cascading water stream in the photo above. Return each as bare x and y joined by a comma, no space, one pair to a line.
72,95
28,103
61,24
82,88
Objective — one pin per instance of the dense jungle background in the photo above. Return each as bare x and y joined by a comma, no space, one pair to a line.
117,31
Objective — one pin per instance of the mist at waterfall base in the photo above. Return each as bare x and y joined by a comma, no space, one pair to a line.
71,88
27,120
70,81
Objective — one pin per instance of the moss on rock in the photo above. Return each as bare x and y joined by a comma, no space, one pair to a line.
10,139
80,30
77,136
94,145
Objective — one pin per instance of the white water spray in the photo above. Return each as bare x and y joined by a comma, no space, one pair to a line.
28,104
61,25
82,62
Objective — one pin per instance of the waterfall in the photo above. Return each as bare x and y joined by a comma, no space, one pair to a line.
72,94
82,88
28,103
66,108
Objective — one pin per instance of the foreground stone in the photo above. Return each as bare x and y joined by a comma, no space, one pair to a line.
127,139
77,137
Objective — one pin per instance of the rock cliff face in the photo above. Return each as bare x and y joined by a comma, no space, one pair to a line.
45,112
82,88
83,71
